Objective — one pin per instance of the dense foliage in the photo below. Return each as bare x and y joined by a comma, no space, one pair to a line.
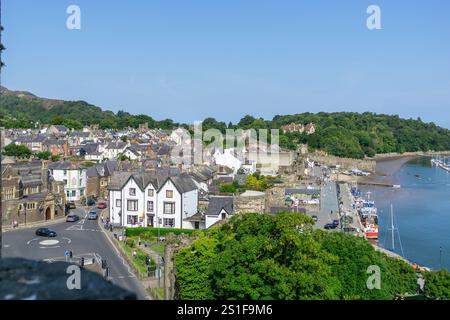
19,151
258,257
355,135
16,112
142,232
437,284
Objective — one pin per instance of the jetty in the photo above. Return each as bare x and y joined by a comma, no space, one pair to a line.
440,164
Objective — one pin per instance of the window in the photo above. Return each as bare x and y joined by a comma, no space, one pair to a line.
68,193
169,208
150,192
197,225
132,220
169,194
9,193
118,203
132,191
31,206
74,193
149,206
132,205
169,223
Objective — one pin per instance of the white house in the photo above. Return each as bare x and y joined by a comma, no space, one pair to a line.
219,209
227,159
74,178
154,199
181,136
114,149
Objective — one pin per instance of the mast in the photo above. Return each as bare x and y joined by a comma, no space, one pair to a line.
392,226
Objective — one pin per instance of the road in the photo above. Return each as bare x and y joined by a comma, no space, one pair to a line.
84,238
328,203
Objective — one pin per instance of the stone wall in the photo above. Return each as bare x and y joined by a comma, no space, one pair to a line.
250,204
345,163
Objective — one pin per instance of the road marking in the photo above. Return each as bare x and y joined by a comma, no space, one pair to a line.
48,242
68,240
28,243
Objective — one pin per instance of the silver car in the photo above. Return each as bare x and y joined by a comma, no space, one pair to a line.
92,215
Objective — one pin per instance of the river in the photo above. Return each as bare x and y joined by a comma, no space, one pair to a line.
421,213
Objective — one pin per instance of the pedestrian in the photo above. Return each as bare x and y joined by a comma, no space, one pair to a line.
101,219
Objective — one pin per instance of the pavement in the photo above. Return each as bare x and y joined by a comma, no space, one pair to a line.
84,238
328,202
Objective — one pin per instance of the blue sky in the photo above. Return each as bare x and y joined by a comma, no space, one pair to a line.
191,59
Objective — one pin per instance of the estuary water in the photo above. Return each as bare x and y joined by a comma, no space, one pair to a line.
421,214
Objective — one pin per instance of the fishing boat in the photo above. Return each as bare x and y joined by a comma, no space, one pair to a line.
369,218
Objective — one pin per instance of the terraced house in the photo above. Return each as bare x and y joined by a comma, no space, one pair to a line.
162,198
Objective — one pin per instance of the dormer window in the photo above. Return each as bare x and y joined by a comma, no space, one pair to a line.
169,194
132,191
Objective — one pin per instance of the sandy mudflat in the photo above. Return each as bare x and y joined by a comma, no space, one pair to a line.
387,169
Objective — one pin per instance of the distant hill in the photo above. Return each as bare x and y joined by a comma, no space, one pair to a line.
21,109
344,134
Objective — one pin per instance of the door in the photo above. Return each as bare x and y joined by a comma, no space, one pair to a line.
48,214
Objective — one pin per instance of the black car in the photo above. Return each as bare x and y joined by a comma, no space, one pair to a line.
90,202
329,226
72,218
315,218
336,222
45,232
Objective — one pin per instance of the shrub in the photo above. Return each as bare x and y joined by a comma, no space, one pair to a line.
149,232
130,243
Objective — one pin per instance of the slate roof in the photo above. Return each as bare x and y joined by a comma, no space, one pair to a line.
66,165
216,204
60,128
117,145
183,182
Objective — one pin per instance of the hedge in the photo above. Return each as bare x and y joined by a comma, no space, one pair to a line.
136,232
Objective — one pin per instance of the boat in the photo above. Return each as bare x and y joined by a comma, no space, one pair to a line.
369,218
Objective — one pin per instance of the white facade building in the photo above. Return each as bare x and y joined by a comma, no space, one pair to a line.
152,199
74,178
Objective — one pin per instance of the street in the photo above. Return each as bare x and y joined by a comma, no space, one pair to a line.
328,203
84,238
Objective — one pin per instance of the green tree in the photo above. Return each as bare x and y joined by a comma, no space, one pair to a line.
44,155
437,284
194,263
19,151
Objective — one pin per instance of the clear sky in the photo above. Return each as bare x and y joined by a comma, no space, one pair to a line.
191,59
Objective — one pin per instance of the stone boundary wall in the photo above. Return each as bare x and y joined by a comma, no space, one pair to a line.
345,163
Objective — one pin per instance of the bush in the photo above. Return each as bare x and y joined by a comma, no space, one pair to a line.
149,232
130,243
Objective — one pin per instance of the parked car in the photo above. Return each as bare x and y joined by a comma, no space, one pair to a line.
336,222
329,226
46,232
101,205
72,218
92,215
72,205
90,202
315,218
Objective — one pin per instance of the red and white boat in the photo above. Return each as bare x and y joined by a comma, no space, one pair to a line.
371,231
